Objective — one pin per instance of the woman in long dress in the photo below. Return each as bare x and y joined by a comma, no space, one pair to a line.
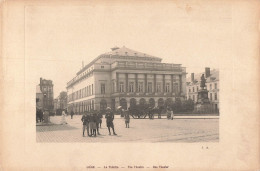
63,118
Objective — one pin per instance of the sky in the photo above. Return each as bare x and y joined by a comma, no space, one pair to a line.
59,38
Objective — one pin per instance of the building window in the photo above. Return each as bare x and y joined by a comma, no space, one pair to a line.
121,87
150,87
197,88
113,87
210,86
189,89
158,87
131,87
140,87
102,66
210,96
167,88
92,89
192,89
87,91
103,88
216,96
193,97
216,86
189,97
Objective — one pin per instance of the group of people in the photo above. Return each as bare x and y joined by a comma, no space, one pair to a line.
92,121
39,115
42,115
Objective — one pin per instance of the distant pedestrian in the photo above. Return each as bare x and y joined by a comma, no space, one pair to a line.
63,118
71,114
37,115
41,115
172,114
169,113
100,116
127,118
160,112
109,118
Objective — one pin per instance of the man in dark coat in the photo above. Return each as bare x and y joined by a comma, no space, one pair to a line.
71,114
109,118
100,116
85,121
41,115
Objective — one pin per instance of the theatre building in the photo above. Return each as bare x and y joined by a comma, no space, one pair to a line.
124,77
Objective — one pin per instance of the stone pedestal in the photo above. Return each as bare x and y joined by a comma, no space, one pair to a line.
203,96
203,105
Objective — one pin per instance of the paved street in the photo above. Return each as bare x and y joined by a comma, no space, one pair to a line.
141,130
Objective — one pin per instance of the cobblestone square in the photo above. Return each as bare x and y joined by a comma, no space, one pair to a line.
141,130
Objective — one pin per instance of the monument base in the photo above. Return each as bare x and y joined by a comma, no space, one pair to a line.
203,108
203,96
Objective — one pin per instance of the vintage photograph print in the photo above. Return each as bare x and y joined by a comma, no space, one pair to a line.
113,76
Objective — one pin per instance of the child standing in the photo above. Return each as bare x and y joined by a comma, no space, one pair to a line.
127,119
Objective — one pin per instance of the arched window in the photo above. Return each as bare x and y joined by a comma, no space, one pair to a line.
151,102
132,102
169,102
123,103
142,102
160,102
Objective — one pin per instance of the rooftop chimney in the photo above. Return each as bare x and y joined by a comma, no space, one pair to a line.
192,77
207,72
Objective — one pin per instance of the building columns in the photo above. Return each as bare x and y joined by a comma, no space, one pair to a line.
136,83
145,83
117,82
180,84
126,82
163,83
154,82
172,83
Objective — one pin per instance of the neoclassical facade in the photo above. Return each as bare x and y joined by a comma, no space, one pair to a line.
124,77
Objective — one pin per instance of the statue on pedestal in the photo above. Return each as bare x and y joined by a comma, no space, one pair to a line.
202,81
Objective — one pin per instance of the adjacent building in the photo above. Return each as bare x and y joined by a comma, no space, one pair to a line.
61,101
125,77
39,97
46,87
212,83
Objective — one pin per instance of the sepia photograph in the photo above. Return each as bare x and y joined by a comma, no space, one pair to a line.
129,85
133,96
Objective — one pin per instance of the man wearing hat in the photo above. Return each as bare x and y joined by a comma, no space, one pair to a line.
109,118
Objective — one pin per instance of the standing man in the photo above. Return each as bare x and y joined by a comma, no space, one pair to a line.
109,118
71,114
40,115
85,121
